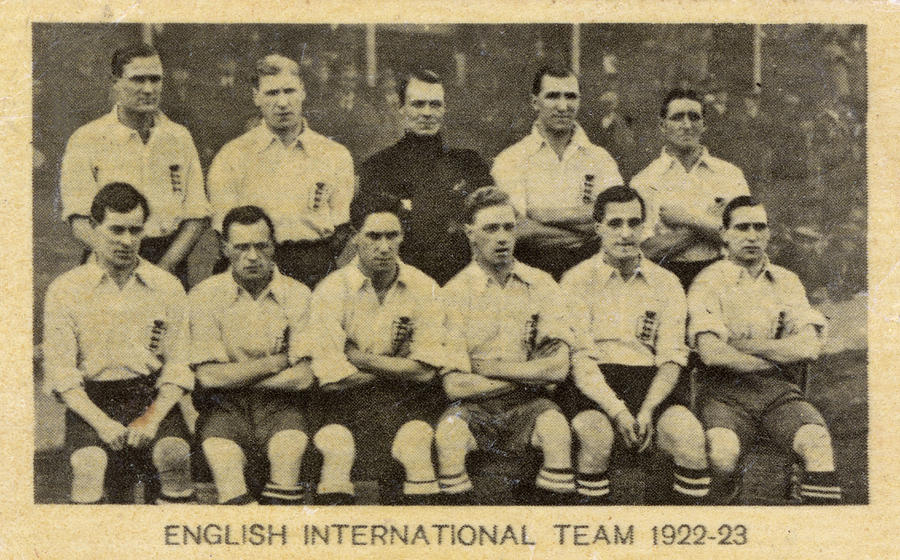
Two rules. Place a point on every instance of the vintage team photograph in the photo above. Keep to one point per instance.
(450, 264)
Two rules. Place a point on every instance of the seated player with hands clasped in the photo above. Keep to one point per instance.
(250, 353)
(381, 342)
(629, 316)
(752, 325)
(508, 341)
(115, 353)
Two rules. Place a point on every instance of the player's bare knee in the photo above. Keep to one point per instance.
(413, 442)
(593, 432)
(724, 450)
(680, 435)
(551, 431)
(335, 441)
(287, 446)
(221, 452)
(171, 453)
(813, 443)
(88, 462)
(452, 436)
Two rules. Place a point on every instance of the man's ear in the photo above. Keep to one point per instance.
(534, 102)
(255, 92)
(597, 228)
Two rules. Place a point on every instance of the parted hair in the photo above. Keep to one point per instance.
(734, 204)
(118, 197)
(421, 74)
(126, 54)
(679, 93)
(553, 72)
(619, 193)
(272, 65)
(377, 202)
(246, 215)
(484, 197)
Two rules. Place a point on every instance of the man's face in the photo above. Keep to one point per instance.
(683, 125)
(280, 100)
(492, 235)
(423, 110)
(250, 250)
(139, 88)
(747, 237)
(117, 238)
(557, 103)
(621, 229)
(378, 243)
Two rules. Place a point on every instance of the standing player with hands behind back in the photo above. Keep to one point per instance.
(115, 346)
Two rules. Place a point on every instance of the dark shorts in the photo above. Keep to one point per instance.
(686, 271)
(746, 404)
(630, 383)
(556, 262)
(250, 418)
(504, 424)
(373, 413)
(124, 401)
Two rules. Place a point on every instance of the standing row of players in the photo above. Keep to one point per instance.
(517, 375)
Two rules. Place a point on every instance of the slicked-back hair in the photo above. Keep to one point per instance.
(246, 215)
(124, 55)
(118, 197)
(484, 197)
(272, 65)
(619, 193)
(553, 72)
(421, 74)
(737, 202)
(377, 202)
(679, 93)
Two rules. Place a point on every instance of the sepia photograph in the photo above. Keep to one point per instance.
(568, 264)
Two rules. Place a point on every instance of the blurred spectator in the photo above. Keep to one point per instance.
(838, 179)
(611, 130)
(751, 134)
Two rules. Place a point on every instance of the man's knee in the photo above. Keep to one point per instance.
(171, 453)
(594, 432)
(221, 452)
(453, 435)
(89, 461)
(287, 446)
(413, 442)
(335, 440)
(724, 449)
(552, 429)
(813, 443)
(680, 434)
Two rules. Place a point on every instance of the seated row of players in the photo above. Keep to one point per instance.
(523, 364)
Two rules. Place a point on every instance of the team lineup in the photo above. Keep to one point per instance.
(412, 320)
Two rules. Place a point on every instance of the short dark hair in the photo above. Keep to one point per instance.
(246, 215)
(679, 93)
(553, 72)
(377, 202)
(272, 65)
(421, 74)
(484, 197)
(118, 197)
(734, 204)
(618, 193)
(124, 55)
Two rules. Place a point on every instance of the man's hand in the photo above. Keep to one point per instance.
(356, 379)
(628, 428)
(644, 429)
(664, 246)
(142, 431)
(555, 349)
(113, 434)
(355, 356)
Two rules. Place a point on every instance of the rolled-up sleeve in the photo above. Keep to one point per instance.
(205, 340)
(800, 312)
(196, 203)
(77, 185)
(300, 341)
(455, 329)
(60, 343)
(222, 183)
(507, 175)
(345, 184)
(670, 346)
(574, 289)
(556, 321)
(329, 362)
(176, 346)
(705, 310)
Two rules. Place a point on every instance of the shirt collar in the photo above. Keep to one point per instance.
(265, 137)
(98, 275)
(606, 272)
(122, 133)
(274, 290)
(358, 280)
(741, 273)
(481, 278)
(536, 141)
(704, 159)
